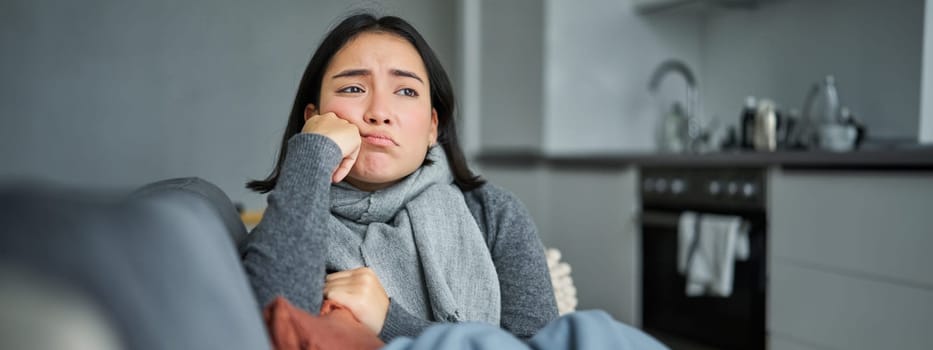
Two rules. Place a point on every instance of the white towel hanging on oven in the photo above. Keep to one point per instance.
(708, 246)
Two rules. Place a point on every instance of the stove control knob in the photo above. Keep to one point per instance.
(715, 187)
(732, 188)
(749, 190)
(648, 184)
(678, 186)
(660, 185)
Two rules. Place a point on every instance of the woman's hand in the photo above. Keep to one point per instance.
(361, 292)
(342, 132)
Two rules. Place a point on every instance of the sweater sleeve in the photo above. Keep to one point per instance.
(401, 323)
(284, 254)
(528, 301)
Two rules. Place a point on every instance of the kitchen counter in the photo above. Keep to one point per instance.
(916, 158)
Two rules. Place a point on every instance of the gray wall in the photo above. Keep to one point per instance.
(926, 92)
(599, 57)
(874, 48)
(511, 74)
(109, 93)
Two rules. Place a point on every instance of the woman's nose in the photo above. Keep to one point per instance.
(379, 112)
(376, 120)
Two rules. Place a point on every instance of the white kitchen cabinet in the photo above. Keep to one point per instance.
(592, 219)
(590, 216)
(829, 310)
(849, 256)
(528, 183)
(879, 225)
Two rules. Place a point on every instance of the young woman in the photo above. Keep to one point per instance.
(371, 203)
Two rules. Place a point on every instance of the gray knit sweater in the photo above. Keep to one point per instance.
(284, 255)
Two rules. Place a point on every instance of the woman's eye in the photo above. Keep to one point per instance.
(351, 90)
(407, 92)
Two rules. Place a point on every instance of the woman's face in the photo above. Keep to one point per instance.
(378, 82)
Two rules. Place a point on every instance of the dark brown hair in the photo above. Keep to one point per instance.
(442, 94)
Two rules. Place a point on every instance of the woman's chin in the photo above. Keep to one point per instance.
(377, 169)
(371, 179)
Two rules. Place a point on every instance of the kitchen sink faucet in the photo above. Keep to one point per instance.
(695, 137)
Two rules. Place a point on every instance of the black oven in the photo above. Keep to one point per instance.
(733, 322)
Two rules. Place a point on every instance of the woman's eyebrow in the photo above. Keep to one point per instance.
(352, 73)
(367, 72)
(405, 73)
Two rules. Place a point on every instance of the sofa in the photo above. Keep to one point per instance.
(152, 268)
(156, 268)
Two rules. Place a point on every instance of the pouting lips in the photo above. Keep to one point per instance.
(379, 140)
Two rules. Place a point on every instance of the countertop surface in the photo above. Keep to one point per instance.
(913, 158)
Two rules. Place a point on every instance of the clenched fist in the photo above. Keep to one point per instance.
(361, 292)
(342, 132)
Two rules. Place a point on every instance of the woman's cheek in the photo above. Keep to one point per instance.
(418, 122)
(347, 110)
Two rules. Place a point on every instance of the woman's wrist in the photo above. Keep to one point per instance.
(401, 323)
(309, 162)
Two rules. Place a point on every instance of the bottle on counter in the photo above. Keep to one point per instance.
(747, 124)
(789, 130)
(766, 126)
(821, 113)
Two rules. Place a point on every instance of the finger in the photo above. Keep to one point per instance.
(338, 274)
(315, 119)
(365, 275)
(346, 165)
(346, 294)
(348, 273)
(339, 295)
(353, 281)
(342, 170)
(330, 287)
(343, 284)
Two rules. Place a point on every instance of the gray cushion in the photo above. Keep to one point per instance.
(212, 194)
(161, 267)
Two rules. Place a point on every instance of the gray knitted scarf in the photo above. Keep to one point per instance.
(421, 240)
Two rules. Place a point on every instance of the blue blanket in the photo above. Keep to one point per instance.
(578, 330)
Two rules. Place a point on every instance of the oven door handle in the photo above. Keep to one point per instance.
(660, 219)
